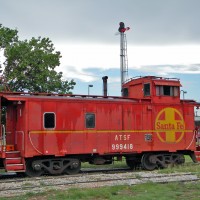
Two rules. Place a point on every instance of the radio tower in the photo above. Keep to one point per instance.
(123, 53)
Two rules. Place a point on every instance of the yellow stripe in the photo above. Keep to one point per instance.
(109, 131)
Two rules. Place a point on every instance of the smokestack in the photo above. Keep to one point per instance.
(105, 86)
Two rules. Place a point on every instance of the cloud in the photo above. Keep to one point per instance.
(92, 21)
(89, 62)
(71, 72)
(166, 70)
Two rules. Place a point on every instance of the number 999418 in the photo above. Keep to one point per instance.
(122, 146)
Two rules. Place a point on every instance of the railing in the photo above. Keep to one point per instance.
(151, 77)
(197, 131)
(3, 138)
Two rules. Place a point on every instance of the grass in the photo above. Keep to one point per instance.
(187, 167)
(148, 191)
(116, 164)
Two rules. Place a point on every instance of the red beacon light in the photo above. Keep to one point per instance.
(122, 28)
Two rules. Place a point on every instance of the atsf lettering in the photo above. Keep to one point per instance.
(122, 137)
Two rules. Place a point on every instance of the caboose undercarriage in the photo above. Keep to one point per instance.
(54, 166)
(72, 164)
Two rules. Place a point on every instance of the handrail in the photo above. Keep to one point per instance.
(151, 77)
(3, 138)
(3, 135)
(29, 135)
(1, 132)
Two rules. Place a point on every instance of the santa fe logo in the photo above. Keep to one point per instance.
(170, 125)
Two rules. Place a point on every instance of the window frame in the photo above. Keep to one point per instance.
(167, 91)
(94, 120)
(144, 90)
(125, 92)
(54, 120)
(161, 90)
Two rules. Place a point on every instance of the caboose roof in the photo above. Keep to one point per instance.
(57, 97)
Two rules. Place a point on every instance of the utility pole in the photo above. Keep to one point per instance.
(123, 53)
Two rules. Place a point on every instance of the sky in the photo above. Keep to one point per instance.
(163, 40)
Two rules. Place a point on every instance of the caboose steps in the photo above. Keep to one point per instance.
(14, 162)
(14, 167)
(12, 154)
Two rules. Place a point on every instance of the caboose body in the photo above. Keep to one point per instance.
(149, 125)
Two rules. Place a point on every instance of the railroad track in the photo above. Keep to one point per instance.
(90, 180)
(13, 177)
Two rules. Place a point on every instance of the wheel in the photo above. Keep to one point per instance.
(30, 171)
(146, 163)
(74, 168)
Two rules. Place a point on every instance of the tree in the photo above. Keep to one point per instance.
(7, 36)
(30, 64)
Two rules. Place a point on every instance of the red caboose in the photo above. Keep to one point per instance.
(149, 126)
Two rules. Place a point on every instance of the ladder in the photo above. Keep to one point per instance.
(123, 58)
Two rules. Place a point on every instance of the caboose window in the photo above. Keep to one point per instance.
(90, 120)
(147, 89)
(49, 120)
(125, 92)
(167, 91)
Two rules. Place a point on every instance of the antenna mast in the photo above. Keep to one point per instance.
(123, 53)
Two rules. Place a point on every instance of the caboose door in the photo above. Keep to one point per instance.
(12, 124)
(9, 119)
(20, 126)
(13, 120)
(8, 124)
